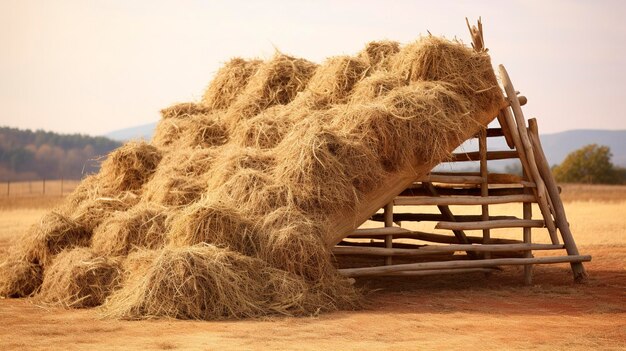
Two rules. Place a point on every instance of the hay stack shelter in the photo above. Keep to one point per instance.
(237, 205)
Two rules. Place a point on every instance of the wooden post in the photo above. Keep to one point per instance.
(388, 223)
(44, 186)
(528, 269)
(540, 190)
(61, 186)
(484, 186)
(553, 191)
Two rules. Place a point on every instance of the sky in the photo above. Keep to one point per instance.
(96, 66)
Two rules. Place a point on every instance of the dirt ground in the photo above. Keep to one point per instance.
(448, 312)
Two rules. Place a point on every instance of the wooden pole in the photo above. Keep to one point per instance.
(528, 215)
(553, 191)
(540, 190)
(494, 262)
(441, 271)
(461, 200)
(484, 186)
(430, 249)
(487, 224)
(388, 213)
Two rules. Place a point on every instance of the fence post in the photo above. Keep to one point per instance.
(44, 186)
(61, 186)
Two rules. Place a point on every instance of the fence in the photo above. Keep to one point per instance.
(38, 187)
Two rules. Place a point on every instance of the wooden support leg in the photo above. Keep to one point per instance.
(580, 275)
(484, 186)
(388, 213)
(528, 269)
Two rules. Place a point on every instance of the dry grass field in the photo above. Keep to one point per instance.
(448, 312)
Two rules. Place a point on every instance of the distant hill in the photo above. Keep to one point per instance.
(556, 146)
(30, 155)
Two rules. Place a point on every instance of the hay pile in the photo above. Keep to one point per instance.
(226, 212)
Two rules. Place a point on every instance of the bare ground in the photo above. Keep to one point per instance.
(449, 312)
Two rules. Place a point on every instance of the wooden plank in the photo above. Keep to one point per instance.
(454, 179)
(448, 215)
(432, 237)
(465, 191)
(554, 192)
(366, 271)
(533, 171)
(429, 249)
(475, 156)
(380, 231)
(434, 217)
(487, 224)
(461, 200)
(441, 271)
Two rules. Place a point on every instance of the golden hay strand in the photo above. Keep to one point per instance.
(229, 81)
(379, 53)
(276, 82)
(19, 277)
(183, 110)
(205, 282)
(91, 212)
(143, 226)
(78, 278)
(213, 221)
(377, 85)
(129, 166)
(265, 130)
(204, 131)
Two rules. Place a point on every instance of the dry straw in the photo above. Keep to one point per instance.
(78, 278)
(226, 212)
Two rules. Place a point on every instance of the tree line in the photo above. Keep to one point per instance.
(31, 155)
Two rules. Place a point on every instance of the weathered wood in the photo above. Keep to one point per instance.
(433, 217)
(506, 130)
(491, 155)
(492, 178)
(460, 200)
(494, 132)
(487, 224)
(553, 191)
(484, 187)
(528, 269)
(365, 271)
(540, 190)
(435, 238)
(379, 231)
(441, 271)
(429, 249)
(447, 213)
(388, 224)
(465, 191)
(454, 179)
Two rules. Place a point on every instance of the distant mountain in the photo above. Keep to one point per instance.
(144, 131)
(556, 146)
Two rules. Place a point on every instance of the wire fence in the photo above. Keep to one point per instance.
(41, 187)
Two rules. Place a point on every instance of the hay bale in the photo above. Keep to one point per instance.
(184, 110)
(169, 131)
(265, 130)
(332, 82)
(204, 131)
(91, 212)
(233, 159)
(204, 282)
(19, 277)
(213, 221)
(389, 125)
(377, 85)
(276, 82)
(141, 227)
(130, 166)
(468, 73)
(379, 53)
(53, 234)
(180, 178)
(228, 83)
(77, 278)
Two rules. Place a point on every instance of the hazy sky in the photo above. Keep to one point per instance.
(96, 66)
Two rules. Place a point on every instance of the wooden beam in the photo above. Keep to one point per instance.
(357, 272)
(540, 190)
(487, 224)
(475, 156)
(454, 179)
(441, 271)
(435, 238)
(429, 249)
(434, 217)
(553, 191)
(461, 200)
(465, 191)
(388, 213)
(379, 231)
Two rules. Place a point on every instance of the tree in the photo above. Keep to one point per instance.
(589, 164)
